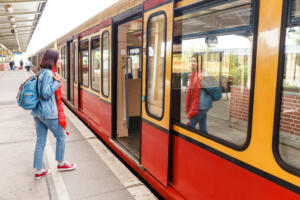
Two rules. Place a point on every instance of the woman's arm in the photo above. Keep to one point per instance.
(49, 85)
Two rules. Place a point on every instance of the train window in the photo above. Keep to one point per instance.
(95, 63)
(84, 62)
(105, 70)
(76, 62)
(61, 50)
(59, 70)
(289, 127)
(155, 71)
(65, 62)
(212, 69)
(62, 58)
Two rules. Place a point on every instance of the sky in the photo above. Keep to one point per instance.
(61, 16)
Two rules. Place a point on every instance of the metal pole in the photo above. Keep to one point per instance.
(20, 13)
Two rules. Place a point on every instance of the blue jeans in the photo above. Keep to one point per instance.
(201, 119)
(42, 126)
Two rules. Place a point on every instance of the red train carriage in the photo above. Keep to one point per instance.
(126, 73)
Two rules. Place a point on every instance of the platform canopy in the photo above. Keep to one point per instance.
(18, 20)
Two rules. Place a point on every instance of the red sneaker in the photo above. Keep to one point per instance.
(66, 166)
(44, 173)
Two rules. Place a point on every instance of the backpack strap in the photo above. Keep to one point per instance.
(37, 87)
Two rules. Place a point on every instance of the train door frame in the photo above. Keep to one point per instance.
(76, 62)
(78, 75)
(127, 16)
(70, 70)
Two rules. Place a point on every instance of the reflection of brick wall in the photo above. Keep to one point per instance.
(239, 103)
(290, 109)
(290, 113)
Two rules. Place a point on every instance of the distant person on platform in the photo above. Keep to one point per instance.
(12, 65)
(21, 64)
(28, 65)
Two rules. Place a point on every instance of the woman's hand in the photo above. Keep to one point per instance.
(200, 77)
(56, 77)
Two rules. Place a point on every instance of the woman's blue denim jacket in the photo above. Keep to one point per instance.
(47, 107)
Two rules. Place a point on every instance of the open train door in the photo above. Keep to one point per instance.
(156, 90)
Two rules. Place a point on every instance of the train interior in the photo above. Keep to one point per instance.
(129, 86)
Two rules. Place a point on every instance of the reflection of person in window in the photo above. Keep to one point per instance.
(200, 94)
(192, 96)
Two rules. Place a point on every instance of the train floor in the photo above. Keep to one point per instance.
(132, 142)
(99, 175)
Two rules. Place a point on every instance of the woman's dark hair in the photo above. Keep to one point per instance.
(49, 59)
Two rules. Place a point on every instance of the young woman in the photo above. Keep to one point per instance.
(46, 115)
(200, 96)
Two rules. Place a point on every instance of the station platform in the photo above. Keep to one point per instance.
(99, 174)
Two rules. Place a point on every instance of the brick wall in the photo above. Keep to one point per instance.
(290, 109)
(239, 104)
(290, 113)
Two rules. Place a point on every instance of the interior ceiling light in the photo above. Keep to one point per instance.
(211, 41)
(9, 9)
(12, 19)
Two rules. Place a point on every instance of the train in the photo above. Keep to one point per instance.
(126, 72)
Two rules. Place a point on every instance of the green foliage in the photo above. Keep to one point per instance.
(239, 71)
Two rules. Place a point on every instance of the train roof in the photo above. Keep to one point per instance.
(115, 9)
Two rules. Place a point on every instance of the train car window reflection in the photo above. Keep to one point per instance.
(211, 77)
(155, 65)
(84, 62)
(95, 63)
(289, 130)
(105, 64)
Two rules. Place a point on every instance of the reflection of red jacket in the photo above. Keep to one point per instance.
(192, 96)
